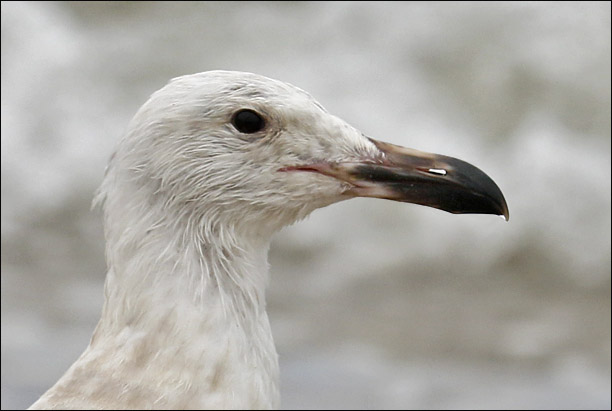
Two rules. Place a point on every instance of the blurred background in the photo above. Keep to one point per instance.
(373, 304)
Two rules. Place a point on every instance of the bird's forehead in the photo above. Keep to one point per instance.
(236, 89)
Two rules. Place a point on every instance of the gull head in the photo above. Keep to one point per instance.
(244, 150)
(209, 168)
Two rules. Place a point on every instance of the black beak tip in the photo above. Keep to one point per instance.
(480, 189)
(487, 196)
(505, 212)
(497, 205)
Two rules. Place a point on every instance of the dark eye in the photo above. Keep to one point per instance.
(248, 121)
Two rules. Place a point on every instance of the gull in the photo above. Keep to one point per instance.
(211, 166)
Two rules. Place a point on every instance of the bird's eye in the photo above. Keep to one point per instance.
(248, 121)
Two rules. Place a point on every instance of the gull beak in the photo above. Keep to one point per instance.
(432, 180)
(413, 176)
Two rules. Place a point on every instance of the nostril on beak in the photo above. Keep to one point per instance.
(437, 171)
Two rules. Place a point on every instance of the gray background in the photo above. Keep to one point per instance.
(374, 304)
